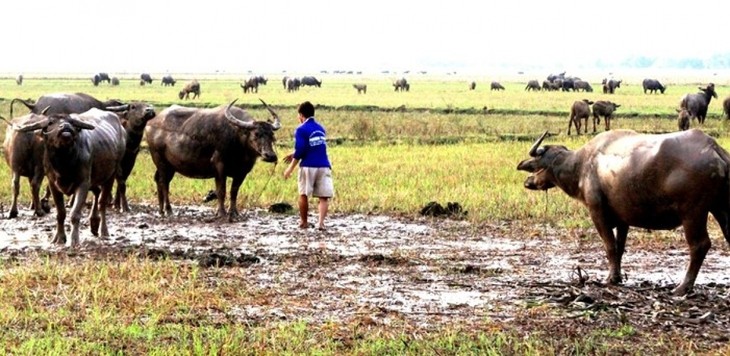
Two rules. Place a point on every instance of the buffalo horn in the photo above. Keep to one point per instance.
(232, 119)
(44, 111)
(277, 122)
(80, 124)
(34, 125)
(118, 108)
(533, 149)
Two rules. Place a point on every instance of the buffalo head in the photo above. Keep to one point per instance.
(59, 130)
(259, 135)
(541, 164)
(134, 116)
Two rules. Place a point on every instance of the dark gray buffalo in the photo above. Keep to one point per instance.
(145, 78)
(726, 107)
(134, 117)
(215, 143)
(653, 85)
(533, 85)
(496, 86)
(696, 104)
(22, 148)
(23, 153)
(604, 108)
(311, 81)
(361, 88)
(82, 153)
(646, 181)
(401, 85)
(168, 81)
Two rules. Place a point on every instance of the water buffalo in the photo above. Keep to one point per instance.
(293, 84)
(401, 85)
(168, 81)
(64, 103)
(610, 85)
(696, 104)
(652, 85)
(250, 85)
(361, 88)
(191, 87)
(146, 78)
(726, 107)
(580, 110)
(208, 143)
(19, 79)
(284, 82)
(115, 81)
(603, 108)
(683, 119)
(646, 181)
(23, 153)
(472, 85)
(496, 86)
(83, 153)
(532, 85)
(579, 85)
(100, 77)
(311, 81)
(25, 164)
(134, 117)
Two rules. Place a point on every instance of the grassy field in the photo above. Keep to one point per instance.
(391, 152)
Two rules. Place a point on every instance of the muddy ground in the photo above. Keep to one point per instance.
(422, 272)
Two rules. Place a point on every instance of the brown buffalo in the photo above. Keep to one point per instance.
(647, 181)
(580, 110)
(604, 108)
(208, 143)
(191, 87)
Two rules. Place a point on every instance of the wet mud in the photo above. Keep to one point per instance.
(419, 271)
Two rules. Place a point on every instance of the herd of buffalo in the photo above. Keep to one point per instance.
(81, 144)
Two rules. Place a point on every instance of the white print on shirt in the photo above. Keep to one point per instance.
(317, 140)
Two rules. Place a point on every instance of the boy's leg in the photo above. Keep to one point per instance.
(303, 211)
(323, 207)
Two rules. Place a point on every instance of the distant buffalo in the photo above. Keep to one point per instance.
(610, 85)
(401, 85)
(652, 85)
(191, 87)
(19, 79)
(100, 77)
(167, 80)
(146, 77)
(696, 104)
(605, 109)
(580, 110)
(726, 107)
(533, 85)
(311, 81)
(115, 81)
(361, 88)
(496, 86)
(579, 85)
(472, 85)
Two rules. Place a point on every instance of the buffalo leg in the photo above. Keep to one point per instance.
(35, 188)
(723, 219)
(220, 191)
(104, 196)
(611, 246)
(120, 197)
(94, 219)
(163, 190)
(235, 186)
(571, 122)
(60, 238)
(79, 201)
(16, 192)
(695, 232)
(608, 123)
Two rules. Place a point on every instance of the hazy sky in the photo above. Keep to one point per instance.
(304, 36)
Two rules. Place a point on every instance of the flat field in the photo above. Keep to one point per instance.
(383, 279)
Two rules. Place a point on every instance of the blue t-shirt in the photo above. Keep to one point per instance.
(310, 144)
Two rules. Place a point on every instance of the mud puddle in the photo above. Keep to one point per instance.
(424, 272)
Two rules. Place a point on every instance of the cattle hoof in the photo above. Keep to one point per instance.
(13, 215)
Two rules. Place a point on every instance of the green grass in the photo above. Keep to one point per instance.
(73, 306)
(385, 161)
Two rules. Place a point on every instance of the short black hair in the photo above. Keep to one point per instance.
(306, 109)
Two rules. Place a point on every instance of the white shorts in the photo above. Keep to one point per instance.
(316, 181)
